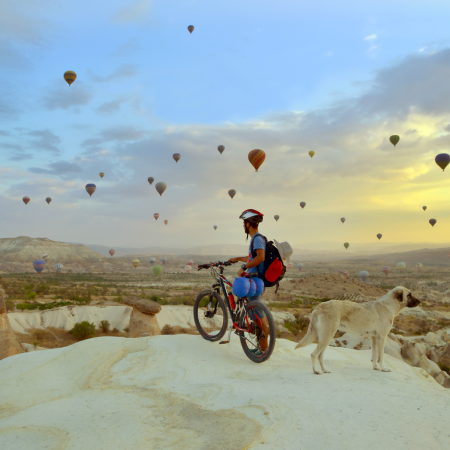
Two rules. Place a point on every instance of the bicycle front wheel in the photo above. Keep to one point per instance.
(210, 315)
(258, 341)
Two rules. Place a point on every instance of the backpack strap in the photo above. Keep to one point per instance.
(252, 250)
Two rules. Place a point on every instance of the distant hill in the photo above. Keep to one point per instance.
(24, 249)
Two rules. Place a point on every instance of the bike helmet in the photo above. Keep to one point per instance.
(252, 217)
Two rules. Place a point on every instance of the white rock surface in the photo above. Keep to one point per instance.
(32, 348)
(182, 392)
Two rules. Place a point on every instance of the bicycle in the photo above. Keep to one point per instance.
(211, 316)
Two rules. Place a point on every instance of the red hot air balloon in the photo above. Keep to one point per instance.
(166, 222)
(26, 200)
(156, 215)
(191, 28)
(176, 157)
(90, 188)
(256, 158)
(386, 270)
(112, 251)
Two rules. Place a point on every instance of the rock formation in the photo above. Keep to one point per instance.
(9, 345)
(143, 318)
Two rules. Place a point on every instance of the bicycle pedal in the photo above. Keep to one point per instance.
(224, 342)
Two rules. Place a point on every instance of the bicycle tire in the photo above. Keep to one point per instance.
(223, 329)
(272, 331)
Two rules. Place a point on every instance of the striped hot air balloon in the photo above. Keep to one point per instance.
(386, 270)
(166, 222)
(90, 188)
(231, 193)
(70, 76)
(176, 157)
(26, 200)
(187, 268)
(39, 265)
(256, 158)
(156, 215)
(344, 272)
(102, 174)
(401, 265)
(135, 263)
(58, 267)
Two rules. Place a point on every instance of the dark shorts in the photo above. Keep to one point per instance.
(258, 311)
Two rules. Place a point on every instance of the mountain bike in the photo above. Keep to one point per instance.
(211, 316)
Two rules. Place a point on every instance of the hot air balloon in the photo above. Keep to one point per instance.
(39, 265)
(191, 28)
(290, 266)
(26, 200)
(166, 222)
(276, 217)
(386, 270)
(160, 187)
(442, 160)
(311, 153)
(300, 267)
(432, 222)
(135, 263)
(302, 204)
(221, 148)
(394, 139)
(256, 158)
(48, 200)
(101, 174)
(112, 251)
(343, 272)
(342, 219)
(164, 260)
(215, 227)
(152, 261)
(401, 265)
(58, 267)
(190, 262)
(156, 215)
(419, 265)
(346, 245)
(424, 208)
(157, 270)
(90, 188)
(364, 275)
(187, 268)
(70, 77)
(379, 235)
(45, 256)
(231, 193)
(150, 180)
(176, 157)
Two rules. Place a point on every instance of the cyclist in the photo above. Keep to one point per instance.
(252, 219)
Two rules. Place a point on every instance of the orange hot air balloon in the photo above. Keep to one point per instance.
(101, 174)
(166, 222)
(112, 251)
(256, 158)
(26, 200)
(191, 28)
(70, 76)
(156, 215)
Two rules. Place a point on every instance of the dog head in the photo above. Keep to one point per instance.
(405, 298)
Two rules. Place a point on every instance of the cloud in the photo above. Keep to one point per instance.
(370, 37)
(66, 97)
(7, 110)
(127, 49)
(111, 107)
(136, 11)
(58, 168)
(45, 140)
(124, 71)
(120, 133)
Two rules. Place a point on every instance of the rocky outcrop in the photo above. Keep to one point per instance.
(143, 318)
(9, 345)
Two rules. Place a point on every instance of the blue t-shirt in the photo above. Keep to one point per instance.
(258, 243)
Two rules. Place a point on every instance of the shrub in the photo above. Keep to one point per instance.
(126, 329)
(31, 295)
(104, 325)
(167, 329)
(9, 305)
(83, 330)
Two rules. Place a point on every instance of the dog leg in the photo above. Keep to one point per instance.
(374, 353)
(324, 337)
(324, 369)
(381, 342)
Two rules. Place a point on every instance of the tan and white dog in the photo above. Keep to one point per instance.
(372, 319)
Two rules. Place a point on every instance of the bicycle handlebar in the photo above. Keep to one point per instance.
(215, 264)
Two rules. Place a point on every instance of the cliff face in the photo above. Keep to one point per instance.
(24, 249)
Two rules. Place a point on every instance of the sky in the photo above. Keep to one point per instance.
(286, 77)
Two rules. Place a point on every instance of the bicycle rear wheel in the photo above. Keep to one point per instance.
(258, 341)
(210, 315)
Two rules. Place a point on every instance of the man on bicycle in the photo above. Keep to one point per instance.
(252, 219)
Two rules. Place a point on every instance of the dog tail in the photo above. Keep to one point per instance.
(311, 334)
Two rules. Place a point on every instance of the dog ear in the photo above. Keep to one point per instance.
(399, 294)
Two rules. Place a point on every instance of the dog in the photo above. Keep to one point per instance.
(372, 319)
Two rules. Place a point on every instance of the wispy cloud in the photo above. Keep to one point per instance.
(136, 11)
(124, 71)
(58, 168)
(371, 37)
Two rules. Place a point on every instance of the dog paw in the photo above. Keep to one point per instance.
(326, 371)
(376, 368)
(318, 372)
(386, 370)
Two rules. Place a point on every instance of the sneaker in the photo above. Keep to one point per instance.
(256, 352)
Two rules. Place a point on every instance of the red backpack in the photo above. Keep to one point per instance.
(274, 268)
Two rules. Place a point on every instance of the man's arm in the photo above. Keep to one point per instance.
(238, 258)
